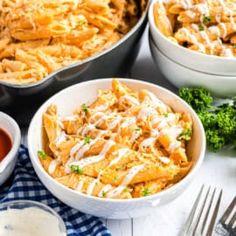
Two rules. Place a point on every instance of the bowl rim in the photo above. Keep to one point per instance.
(86, 60)
(195, 53)
(108, 200)
(15, 141)
(40, 205)
(226, 77)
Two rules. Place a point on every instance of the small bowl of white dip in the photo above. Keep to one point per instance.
(29, 218)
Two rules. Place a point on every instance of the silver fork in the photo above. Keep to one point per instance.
(227, 223)
(202, 218)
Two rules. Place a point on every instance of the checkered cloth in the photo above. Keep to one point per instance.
(26, 185)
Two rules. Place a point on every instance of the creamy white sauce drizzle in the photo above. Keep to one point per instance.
(115, 122)
(145, 112)
(163, 121)
(203, 9)
(87, 128)
(155, 133)
(60, 138)
(131, 174)
(191, 14)
(195, 27)
(104, 190)
(92, 186)
(214, 30)
(80, 186)
(127, 122)
(127, 179)
(52, 166)
(173, 131)
(193, 39)
(164, 160)
(224, 29)
(174, 145)
(206, 38)
(102, 107)
(75, 148)
(94, 117)
(135, 135)
(94, 159)
(227, 52)
(70, 118)
(68, 164)
(153, 101)
(147, 142)
(130, 99)
(115, 192)
(186, 4)
(121, 154)
(85, 148)
(60, 124)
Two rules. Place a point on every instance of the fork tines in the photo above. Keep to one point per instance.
(202, 218)
(228, 220)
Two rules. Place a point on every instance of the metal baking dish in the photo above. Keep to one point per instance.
(116, 61)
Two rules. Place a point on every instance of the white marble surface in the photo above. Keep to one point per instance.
(217, 170)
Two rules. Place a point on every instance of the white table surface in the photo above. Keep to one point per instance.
(217, 170)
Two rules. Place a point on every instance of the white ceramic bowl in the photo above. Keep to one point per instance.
(68, 100)
(182, 76)
(191, 59)
(8, 163)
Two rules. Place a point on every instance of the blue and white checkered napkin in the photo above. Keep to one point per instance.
(26, 185)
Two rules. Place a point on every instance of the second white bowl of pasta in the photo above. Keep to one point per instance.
(198, 36)
(116, 148)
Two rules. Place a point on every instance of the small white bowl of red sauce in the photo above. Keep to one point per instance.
(9, 144)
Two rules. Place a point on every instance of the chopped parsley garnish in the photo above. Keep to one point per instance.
(82, 22)
(126, 190)
(138, 130)
(42, 154)
(166, 115)
(146, 192)
(206, 19)
(104, 193)
(76, 169)
(200, 27)
(87, 140)
(115, 178)
(186, 134)
(85, 108)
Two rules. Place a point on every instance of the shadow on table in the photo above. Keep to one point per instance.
(145, 69)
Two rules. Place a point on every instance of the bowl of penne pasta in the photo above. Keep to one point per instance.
(200, 35)
(46, 46)
(182, 76)
(116, 148)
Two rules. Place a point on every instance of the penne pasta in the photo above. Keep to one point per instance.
(53, 34)
(206, 26)
(125, 144)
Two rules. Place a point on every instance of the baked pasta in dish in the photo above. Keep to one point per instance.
(125, 144)
(206, 26)
(38, 37)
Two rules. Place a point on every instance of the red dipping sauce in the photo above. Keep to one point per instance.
(5, 144)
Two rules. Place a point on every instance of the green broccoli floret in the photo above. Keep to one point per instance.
(215, 141)
(198, 98)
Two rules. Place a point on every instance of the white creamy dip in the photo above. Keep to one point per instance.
(28, 222)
